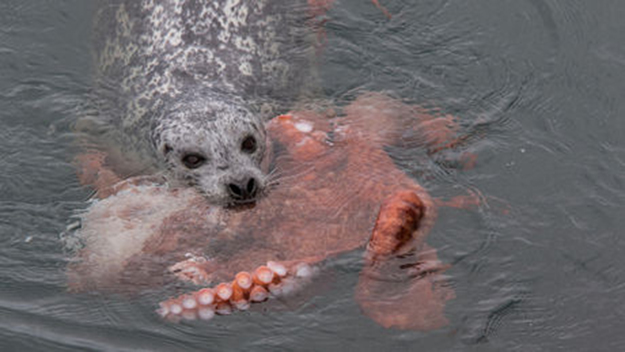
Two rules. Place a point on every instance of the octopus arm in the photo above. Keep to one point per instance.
(91, 171)
(389, 122)
(274, 279)
(303, 134)
(401, 285)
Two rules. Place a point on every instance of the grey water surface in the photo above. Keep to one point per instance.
(540, 266)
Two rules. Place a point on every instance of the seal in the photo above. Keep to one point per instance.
(185, 86)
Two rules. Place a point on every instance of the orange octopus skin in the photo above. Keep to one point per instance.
(334, 184)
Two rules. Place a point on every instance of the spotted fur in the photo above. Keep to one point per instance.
(197, 76)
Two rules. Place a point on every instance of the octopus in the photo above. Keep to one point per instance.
(334, 190)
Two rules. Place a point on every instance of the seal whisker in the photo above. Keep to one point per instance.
(281, 178)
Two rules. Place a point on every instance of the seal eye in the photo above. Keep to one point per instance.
(193, 161)
(248, 145)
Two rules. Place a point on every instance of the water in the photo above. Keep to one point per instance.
(541, 79)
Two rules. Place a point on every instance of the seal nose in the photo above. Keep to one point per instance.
(242, 190)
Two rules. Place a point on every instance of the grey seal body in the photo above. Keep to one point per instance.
(185, 84)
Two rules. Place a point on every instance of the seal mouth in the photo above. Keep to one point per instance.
(241, 205)
(229, 202)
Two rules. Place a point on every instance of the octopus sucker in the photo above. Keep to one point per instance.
(206, 313)
(241, 289)
(241, 305)
(188, 302)
(277, 268)
(175, 308)
(259, 294)
(264, 276)
(223, 308)
(163, 309)
(224, 291)
(205, 296)
(189, 314)
(243, 280)
(303, 270)
(289, 286)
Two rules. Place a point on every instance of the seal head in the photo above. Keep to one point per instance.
(216, 144)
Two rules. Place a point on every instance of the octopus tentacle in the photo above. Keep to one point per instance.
(273, 279)
(397, 221)
(398, 286)
(91, 170)
(195, 269)
(303, 134)
(388, 122)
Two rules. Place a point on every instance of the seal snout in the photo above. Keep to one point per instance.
(244, 189)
